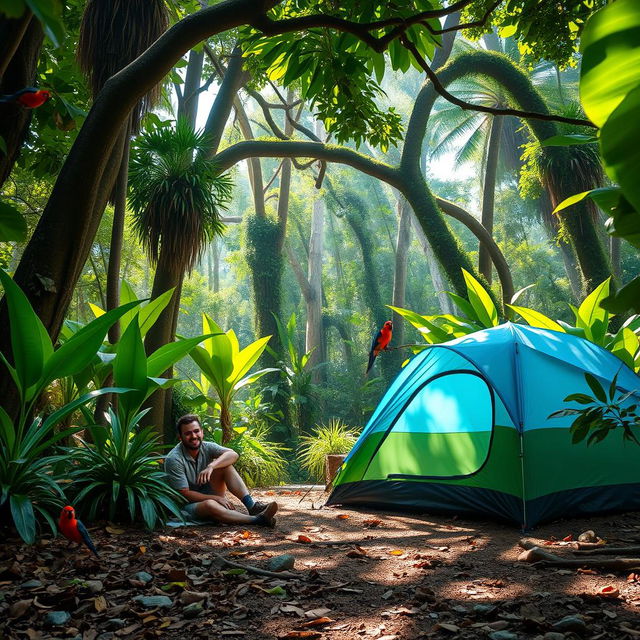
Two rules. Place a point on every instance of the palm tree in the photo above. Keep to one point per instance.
(176, 195)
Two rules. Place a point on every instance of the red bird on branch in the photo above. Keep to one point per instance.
(380, 342)
(30, 98)
(74, 530)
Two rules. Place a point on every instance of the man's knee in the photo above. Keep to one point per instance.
(209, 508)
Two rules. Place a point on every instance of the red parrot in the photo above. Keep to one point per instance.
(380, 342)
(74, 530)
(29, 98)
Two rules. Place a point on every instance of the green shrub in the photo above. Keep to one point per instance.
(261, 462)
(336, 437)
(121, 475)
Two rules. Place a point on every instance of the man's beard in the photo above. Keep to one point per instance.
(193, 445)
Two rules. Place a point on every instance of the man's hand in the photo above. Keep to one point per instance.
(224, 502)
(205, 474)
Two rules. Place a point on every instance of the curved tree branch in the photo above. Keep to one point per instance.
(468, 106)
(486, 239)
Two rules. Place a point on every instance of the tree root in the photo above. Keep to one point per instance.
(534, 554)
(281, 575)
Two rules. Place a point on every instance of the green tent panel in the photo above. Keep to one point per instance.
(465, 429)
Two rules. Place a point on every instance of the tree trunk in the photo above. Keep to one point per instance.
(226, 425)
(314, 340)
(188, 103)
(23, 37)
(488, 195)
(162, 332)
(403, 242)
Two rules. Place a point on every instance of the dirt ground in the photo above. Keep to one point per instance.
(372, 575)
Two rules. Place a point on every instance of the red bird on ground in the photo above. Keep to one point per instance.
(30, 98)
(380, 342)
(74, 530)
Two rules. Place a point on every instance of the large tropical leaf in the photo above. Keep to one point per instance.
(130, 367)
(167, 355)
(592, 316)
(246, 358)
(23, 517)
(27, 335)
(481, 301)
(536, 319)
(75, 354)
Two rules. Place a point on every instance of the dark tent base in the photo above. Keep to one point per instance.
(436, 498)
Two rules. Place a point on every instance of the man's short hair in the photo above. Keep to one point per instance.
(188, 419)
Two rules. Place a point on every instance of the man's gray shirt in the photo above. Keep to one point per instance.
(182, 470)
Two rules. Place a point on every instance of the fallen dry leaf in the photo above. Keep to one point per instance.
(115, 531)
(568, 538)
(609, 592)
(304, 539)
(302, 634)
(342, 516)
(100, 604)
(18, 609)
(317, 622)
(396, 552)
(372, 522)
(317, 613)
(453, 628)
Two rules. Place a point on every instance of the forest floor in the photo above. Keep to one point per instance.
(373, 575)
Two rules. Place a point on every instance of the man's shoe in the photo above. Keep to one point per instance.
(258, 507)
(266, 518)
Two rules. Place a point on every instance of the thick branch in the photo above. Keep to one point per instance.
(468, 106)
(361, 30)
(299, 149)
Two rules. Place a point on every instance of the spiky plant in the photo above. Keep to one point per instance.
(176, 195)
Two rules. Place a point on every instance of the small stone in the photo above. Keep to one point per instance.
(281, 563)
(94, 586)
(553, 635)
(113, 624)
(31, 584)
(108, 635)
(570, 623)
(151, 602)
(56, 618)
(498, 625)
(503, 635)
(189, 597)
(143, 577)
(193, 610)
(484, 609)
(588, 536)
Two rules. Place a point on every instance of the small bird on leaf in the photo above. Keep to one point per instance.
(380, 342)
(74, 530)
(29, 98)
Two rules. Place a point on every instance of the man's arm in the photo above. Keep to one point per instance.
(225, 459)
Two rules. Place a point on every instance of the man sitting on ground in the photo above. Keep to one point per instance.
(203, 472)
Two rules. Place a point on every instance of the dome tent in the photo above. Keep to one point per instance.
(465, 429)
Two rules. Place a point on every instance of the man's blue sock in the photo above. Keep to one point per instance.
(248, 501)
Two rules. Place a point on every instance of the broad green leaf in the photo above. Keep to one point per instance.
(23, 517)
(596, 387)
(130, 367)
(620, 141)
(127, 294)
(625, 346)
(593, 315)
(610, 66)
(97, 311)
(220, 351)
(49, 12)
(152, 310)
(464, 305)
(481, 301)
(519, 292)
(627, 298)
(246, 358)
(624, 221)
(7, 430)
(13, 226)
(167, 355)
(568, 140)
(581, 398)
(250, 379)
(26, 334)
(536, 319)
(75, 354)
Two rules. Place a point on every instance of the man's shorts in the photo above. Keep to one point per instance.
(189, 510)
